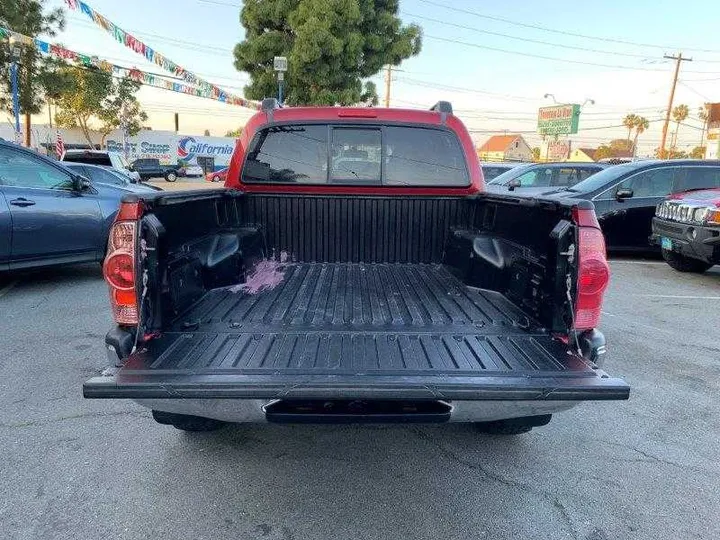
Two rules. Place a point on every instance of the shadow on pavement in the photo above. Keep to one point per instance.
(56, 275)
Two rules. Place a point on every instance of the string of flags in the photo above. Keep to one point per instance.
(205, 88)
(143, 77)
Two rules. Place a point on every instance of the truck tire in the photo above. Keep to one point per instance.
(513, 426)
(186, 422)
(685, 264)
(170, 176)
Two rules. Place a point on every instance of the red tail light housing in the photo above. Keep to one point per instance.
(593, 270)
(119, 266)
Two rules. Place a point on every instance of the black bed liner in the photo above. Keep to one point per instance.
(358, 330)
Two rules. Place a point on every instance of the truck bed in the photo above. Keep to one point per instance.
(338, 330)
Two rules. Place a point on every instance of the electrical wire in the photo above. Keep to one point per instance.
(543, 57)
(561, 32)
(527, 40)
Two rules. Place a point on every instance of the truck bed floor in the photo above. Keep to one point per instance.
(347, 317)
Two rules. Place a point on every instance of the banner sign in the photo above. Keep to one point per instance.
(558, 150)
(559, 119)
(148, 79)
(205, 88)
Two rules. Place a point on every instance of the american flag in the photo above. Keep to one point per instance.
(59, 144)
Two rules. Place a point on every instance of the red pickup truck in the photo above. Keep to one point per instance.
(686, 226)
(353, 270)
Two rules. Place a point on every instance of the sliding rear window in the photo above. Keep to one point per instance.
(351, 154)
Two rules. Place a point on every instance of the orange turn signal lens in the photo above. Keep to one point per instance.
(713, 217)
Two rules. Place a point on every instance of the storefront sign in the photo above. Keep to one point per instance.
(558, 119)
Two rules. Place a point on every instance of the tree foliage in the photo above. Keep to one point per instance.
(641, 125)
(27, 17)
(679, 114)
(615, 148)
(629, 123)
(698, 152)
(332, 46)
(536, 153)
(670, 153)
(95, 100)
(603, 151)
(234, 132)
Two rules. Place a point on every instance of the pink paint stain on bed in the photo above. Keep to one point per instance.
(265, 276)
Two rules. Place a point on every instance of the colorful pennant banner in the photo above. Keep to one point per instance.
(149, 79)
(208, 89)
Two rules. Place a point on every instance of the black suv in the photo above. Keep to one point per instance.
(151, 168)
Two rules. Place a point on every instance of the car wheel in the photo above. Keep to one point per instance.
(685, 264)
(186, 422)
(513, 426)
(171, 177)
(215, 178)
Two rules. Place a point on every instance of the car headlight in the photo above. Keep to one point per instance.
(712, 216)
(699, 216)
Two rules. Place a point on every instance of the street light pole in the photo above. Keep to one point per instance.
(280, 66)
(14, 53)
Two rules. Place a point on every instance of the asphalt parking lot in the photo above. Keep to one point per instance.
(646, 468)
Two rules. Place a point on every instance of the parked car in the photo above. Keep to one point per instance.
(192, 170)
(626, 196)
(495, 169)
(149, 168)
(101, 157)
(109, 176)
(217, 176)
(686, 226)
(378, 290)
(535, 178)
(49, 214)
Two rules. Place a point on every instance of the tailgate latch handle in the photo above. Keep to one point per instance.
(570, 253)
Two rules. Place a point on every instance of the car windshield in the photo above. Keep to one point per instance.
(603, 177)
(513, 173)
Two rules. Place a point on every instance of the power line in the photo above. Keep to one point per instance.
(528, 40)
(541, 56)
(427, 84)
(695, 91)
(219, 3)
(561, 32)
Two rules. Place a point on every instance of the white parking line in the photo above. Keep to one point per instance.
(615, 261)
(678, 296)
(7, 288)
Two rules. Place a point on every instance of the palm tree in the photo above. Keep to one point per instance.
(629, 123)
(641, 125)
(703, 115)
(680, 114)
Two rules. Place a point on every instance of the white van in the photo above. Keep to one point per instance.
(104, 158)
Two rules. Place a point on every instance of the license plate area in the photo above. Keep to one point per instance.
(339, 411)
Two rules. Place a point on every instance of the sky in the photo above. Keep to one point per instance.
(494, 61)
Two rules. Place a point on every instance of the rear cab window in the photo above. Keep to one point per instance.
(356, 154)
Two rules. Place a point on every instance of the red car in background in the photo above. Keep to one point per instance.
(687, 228)
(217, 176)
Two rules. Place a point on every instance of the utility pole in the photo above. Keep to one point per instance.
(678, 59)
(388, 80)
